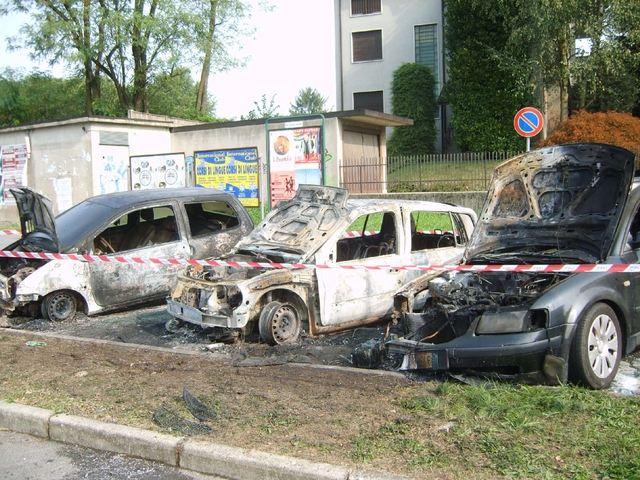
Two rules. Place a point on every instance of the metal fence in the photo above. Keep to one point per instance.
(424, 173)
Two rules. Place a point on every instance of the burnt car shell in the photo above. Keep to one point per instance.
(178, 223)
(316, 226)
(566, 204)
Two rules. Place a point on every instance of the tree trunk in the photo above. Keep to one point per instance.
(201, 101)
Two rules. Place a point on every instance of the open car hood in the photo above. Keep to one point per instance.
(301, 225)
(563, 201)
(36, 221)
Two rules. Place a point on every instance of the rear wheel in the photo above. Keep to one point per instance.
(59, 306)
(279, 323)
(596, 348)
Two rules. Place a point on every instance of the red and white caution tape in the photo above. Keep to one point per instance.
(567, 268)
(10, 232)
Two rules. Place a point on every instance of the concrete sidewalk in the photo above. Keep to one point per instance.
(184, 452)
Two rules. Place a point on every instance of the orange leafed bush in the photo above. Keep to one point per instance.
(621, 129)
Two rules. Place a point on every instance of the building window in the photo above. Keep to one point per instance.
(427, 52)
(367, 46)
(427, 47)
(365, 7)
(369, 100)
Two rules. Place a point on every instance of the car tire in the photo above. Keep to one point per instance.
(596, 348)
(279, 323)
(59, 306)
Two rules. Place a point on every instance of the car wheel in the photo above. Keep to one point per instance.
(596, 348)
(279, 323)
(59, 306)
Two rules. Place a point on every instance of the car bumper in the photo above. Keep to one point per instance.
(513, 353)
(198, 317)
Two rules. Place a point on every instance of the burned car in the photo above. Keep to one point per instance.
(516, 317)
(181, 223)
(321, 226)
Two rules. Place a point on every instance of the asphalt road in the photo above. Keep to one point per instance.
(23, 457)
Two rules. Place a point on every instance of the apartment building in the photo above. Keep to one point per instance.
(375, 37)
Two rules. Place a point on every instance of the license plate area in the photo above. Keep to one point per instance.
(438, 360)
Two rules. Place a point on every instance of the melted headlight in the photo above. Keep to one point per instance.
(234, 296)
(504, 321)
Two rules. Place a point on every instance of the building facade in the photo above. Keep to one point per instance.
(374, 38)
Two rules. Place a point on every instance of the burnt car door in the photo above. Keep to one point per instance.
(214, 227)
(352, 293)
(150, 232)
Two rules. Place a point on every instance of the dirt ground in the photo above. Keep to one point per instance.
(289, 400)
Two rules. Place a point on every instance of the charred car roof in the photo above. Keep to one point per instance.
(563, 201)
(37, 219)
(303, 224)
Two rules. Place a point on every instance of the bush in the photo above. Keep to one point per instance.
(614, 128)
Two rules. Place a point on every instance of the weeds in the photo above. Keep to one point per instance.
(527, 431)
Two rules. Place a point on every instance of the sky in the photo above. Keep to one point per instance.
(293, 48)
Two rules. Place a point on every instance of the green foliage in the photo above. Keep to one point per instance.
(132, 44)
(413, 96)
(174, 94)
(38, 97)
(507, 54)
(263, 110)
(308, 100)
(489, 75)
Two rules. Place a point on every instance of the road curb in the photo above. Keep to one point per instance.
(203, 457)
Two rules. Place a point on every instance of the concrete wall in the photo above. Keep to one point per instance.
(253, 134)
(473, 200)
(72, 160)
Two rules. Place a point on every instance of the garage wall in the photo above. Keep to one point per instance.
(72, 160)
(250, 134)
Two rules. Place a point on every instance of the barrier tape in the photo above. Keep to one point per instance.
(549, 268)
(10, 232)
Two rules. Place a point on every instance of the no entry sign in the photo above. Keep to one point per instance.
(528, 122)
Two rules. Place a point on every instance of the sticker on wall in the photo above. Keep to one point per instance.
(158, 171)
(13, 170)
(294, 159)
(234, 171)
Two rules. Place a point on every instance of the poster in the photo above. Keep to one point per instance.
(234, 171)
(294, 159)
(13, 171)
(158, 171)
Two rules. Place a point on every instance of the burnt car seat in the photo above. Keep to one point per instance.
(167, 233)
(140, 235)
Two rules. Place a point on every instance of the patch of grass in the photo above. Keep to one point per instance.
(255, 214)
(559, 432)
(440, 176)
(276, 421)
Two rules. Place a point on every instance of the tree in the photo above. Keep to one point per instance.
(615, 128)
(172, 94)
(263, 110)
(38, 97)
(413, 96)
(489, 78)
(131, 42)
(308, 100)
(507, 54)
(218, 26)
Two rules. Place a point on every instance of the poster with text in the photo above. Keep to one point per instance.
(158, 171)
(294, 159)
(234, 171)
(13, 172)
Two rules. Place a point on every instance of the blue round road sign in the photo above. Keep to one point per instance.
(528, 122)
